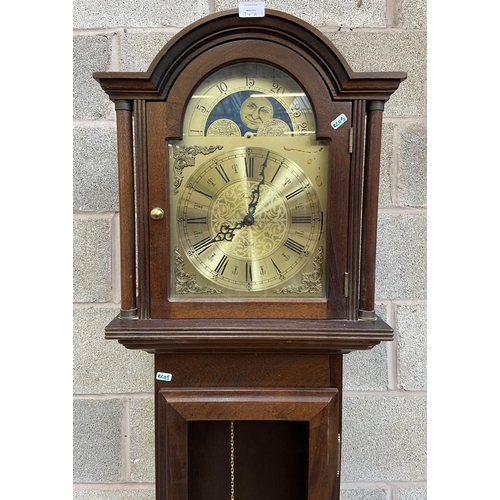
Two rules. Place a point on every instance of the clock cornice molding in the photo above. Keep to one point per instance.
(160, 336)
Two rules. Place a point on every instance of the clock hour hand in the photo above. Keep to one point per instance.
(249, 219)
(226, 232)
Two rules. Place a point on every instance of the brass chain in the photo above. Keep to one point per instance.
(232, 460)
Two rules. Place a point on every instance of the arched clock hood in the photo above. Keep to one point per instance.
(150, 109)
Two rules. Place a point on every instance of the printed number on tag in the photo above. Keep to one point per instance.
(339, 121)
(252, 9)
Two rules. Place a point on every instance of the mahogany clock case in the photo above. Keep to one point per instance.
(250, 403)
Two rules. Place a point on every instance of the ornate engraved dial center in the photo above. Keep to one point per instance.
(261, 233)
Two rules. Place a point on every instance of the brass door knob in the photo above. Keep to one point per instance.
(157, 213)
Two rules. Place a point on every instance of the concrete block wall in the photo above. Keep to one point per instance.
(384, 435)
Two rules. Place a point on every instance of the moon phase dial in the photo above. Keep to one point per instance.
(249, 219)
(249, 99)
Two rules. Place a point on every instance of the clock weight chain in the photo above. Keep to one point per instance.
(232, 457)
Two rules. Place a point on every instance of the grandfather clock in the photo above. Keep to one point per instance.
(248, 159)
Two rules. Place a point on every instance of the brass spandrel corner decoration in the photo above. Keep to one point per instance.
(311, 282)
(184, 156)
(185, 282)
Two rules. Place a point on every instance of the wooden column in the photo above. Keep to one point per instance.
(127, 210)
(370, 210)
(355, 205)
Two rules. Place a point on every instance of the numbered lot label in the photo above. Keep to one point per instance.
(339, 121)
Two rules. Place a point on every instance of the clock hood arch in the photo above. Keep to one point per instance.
(225, 36)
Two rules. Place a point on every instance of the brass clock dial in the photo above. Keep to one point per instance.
(249, 218)
(248, 189)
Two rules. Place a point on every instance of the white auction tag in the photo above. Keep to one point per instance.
(339, 121)
(252, 9)
(167, 377)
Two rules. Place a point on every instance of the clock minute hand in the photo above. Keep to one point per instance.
(226, 232)
(249, 219)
